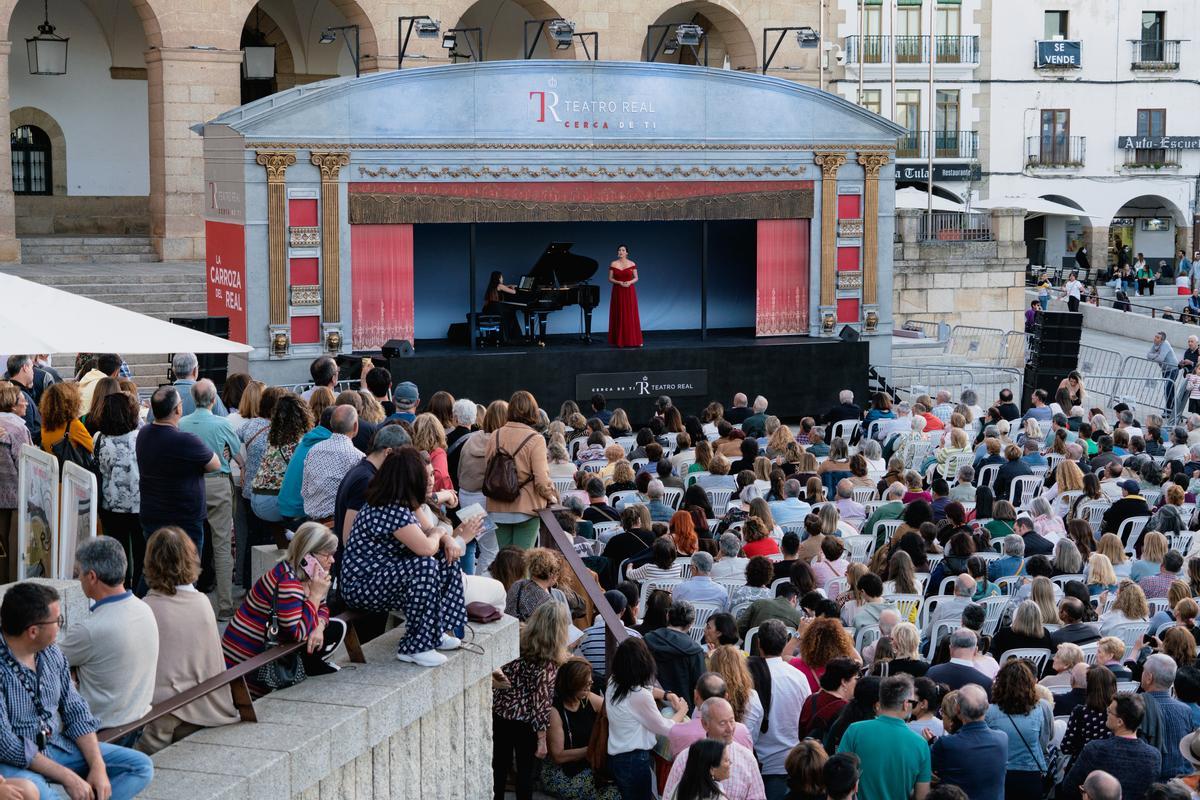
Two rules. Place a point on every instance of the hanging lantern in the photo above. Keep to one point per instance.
(258, 57)
(47, 50)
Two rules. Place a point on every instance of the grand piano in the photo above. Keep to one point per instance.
(559, 279)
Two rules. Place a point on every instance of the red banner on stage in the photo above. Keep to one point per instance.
(782, 302)
(382, 287)
(225, 270)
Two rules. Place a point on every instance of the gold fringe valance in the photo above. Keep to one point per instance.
(390, 209)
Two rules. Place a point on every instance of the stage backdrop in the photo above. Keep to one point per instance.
(667, 254)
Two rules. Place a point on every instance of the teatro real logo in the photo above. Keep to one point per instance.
(643, 386)
(601, 113)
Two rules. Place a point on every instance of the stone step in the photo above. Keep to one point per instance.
(85, 249)
(85, 240)
(82, 258)
(87, 278)
(124, 299)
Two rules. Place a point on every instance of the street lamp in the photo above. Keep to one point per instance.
(806, 37)
(427, 28)
(686, 34)
(562, 34)
(329, 36)
(47, 51)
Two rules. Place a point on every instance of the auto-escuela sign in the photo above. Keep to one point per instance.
(1158, 142)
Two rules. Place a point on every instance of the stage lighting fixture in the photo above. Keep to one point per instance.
(670, 47)
(689, 34)
(449, 40)
(807, 38)
(562, 32)
(328, 37)
(428, 28)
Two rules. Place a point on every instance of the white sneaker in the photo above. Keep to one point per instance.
(449, 642)
(430, 658)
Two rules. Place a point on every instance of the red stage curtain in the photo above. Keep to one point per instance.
(782, 296)
(382, 289)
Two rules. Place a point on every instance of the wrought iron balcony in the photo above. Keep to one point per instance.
(1155, 54)
(1055, 151)
(946, 144)
(911, 49)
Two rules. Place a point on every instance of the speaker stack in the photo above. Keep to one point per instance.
(1053, 352)
(214, 366)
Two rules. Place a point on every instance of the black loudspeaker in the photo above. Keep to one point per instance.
(214, 366)
(848, 334)
(397, 348)
(1053, 352)
(457, 333)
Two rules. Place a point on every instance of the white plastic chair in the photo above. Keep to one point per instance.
(1130, 531)
(908, 606)
(605, 530)
(987, 475)
(866, 635)
(637, 463)
(703, 612)
(1128, 687)
(1129, 633)
(563, 484)
(1089, 653)
(836, 586)
(1053, 460)
(1093, 512)
(1152, 496)
(672, 497)
(993, 608)
(860, 547)
(890, 526)
(844, 429)
(1037, 655)
(1009, 584)
(718, 499)
(863, 494)
(618, 498)
(1063, 580)
(1023, 489)
(685, 566)
(628, 443)
(943, 628)
(594, 466)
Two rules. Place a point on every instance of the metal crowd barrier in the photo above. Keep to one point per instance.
(340, 386)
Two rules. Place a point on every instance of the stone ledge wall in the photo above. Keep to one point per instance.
(72, 215)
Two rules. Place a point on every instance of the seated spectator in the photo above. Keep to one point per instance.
(961, 669)
(1026, 630)
(700, 588)
(1166, 719)
(759, 576)
(57, 745)
(598, 509)
(1088, 719)
(1131, 761)
(790, 509)
(113, 649)
(1074, 629)
(189, 651)
(1168, 573)
(575, 710)
(662, 564)
(974, 758)
(1129, 606)
(1153, 546)
(730, 564)
(951, 608)
(294, 591)
(873, 603)
(831, 563)
(782, 607)
(592, 644)
(1130, 504)
(524, 596)
(679, 659)
(659, 511)
(710, 685)
(758, 539)
(683, 532)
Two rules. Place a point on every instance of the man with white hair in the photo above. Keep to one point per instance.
(659, 511)
(219, 435)
(730, 564)
(1011, 560)
(943, 407)
(744, 781)
(889, 618)
(186, 369)
(1167, 720)
(1193, 426)
(852, 512)
(700, 588)
(960, 669)
(463, 413)
(902, 423)
(755, 425)
(845, 409)
(791, 509)
(737, 412)
(951, 608)
(963, 491)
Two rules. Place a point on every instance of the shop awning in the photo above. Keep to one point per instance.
(915, 198)
(1034, 206)
(42, 319)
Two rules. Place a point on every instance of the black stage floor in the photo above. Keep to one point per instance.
(797, 374)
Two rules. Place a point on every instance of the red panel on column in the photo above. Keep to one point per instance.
(304, 272)
(225, 259)
(849, 206)
(847, 309)
(306, 330)
(302, 213)
(382, 284)
(847, 259)
(783, 266)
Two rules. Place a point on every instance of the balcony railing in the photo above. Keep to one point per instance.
(911, 49)
(1152, 54)
(946, 144)
(1055, 151)
(1153, 159)
(956, 226)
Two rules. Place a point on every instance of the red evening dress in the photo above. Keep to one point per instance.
(624, 324)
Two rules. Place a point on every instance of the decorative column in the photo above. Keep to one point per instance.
(871, 164)
(829, 162)
(330, 163)
(277, 162)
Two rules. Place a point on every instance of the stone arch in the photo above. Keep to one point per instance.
(724, 28)
(261, 21)
(503, 27)
(351, 11)
(28, 115)
(145, 12)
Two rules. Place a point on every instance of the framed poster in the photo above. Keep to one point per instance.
(77, 517)
(37, 505)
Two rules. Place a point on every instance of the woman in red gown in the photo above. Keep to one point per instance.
(624, 324)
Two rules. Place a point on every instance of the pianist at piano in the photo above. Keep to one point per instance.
(493, 303)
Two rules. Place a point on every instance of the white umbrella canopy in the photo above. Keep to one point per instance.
(915, 198)
(42, 319)
(1032, 205)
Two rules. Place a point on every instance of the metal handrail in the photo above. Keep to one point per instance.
(911, 49)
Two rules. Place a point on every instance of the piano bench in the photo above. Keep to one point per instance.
(487, 329)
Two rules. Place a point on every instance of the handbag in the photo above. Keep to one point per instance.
(482, 612)
(285, 671)
(597, 748)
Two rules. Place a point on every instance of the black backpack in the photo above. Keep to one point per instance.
(500, 479)
(68, 451)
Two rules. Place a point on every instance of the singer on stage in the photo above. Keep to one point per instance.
(624, 324)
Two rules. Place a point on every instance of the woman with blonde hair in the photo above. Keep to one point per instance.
(832, 522)
(1101, 579)
(906, 641)
(959, 445)
(1153, 546)
(849, 600)
(429, 436)
(778, 443)
(618, 424)
(621, 479)
(1041, 592)
(321, 398)
(1110, 546)
(1066, 557)
(1129, 606)
(762, 469)
(704, 455)
(372, 409)
(730, 663)
(814, 491)
(522, 697)
(1065, 658)
(1026, 630)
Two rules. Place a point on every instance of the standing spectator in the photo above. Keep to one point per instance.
(324, 373)
(13, 436)
(430, 437)
(296, 591)
(189, 651)
(42, 704)
(1088, 719)
(516, 520)
(895, 761)
(291, 497)
(592, 646)
(709, 685)
(463, 413)
(838, 681)
(398, 557)
(471, 465)
(576, 709)
(20, 372)
(783, 690)
(1166, 720)
(379, 383)
(1028, 723)
(115, 648)
(290, 421)
(120, 493)
(634, 719)
(171, 469)
(327, 463)
(1133, 762)
(742, 781)
(679, 660)
(406, 397)
(187, 370)
(523, 699)
(60, 408)
(220, 438)
(974, 758)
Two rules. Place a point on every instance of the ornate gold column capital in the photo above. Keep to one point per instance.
(830, 161)
(872, 163)
(330, 163)
(276, 162)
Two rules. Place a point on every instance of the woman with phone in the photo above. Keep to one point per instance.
(400, 557)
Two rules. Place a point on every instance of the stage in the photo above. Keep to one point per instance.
(798, 375)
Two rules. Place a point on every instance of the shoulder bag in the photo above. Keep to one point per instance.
(285, 671)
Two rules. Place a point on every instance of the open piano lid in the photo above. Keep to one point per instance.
(558, 266)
